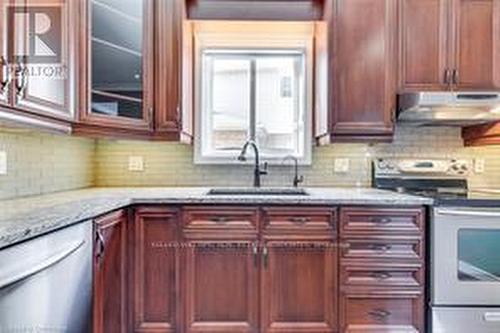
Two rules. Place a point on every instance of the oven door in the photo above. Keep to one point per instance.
(465, 256)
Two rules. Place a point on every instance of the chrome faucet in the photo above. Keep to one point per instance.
(297, 179)
(257, 170)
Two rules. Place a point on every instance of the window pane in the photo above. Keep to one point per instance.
(279, 105)
(226, 101)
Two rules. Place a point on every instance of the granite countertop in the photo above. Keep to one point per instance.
(25, 218)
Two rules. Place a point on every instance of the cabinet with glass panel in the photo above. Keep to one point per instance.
(117, 42)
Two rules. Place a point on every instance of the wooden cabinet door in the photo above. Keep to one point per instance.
(110, 273)
(299, 287)
(364, 54)
(221, 287)
(170, 62)
(477, 44)
(423, 29)
(42, 48)
(155, 280)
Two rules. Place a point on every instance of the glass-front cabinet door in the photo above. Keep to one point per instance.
(37, 57)
(4, 65)
(40, 56)
(119, 81)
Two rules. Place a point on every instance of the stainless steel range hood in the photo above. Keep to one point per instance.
(447, 108)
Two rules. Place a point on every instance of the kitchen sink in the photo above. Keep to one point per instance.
(258, 191)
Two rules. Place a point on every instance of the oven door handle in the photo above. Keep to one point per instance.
(492, 316)
(476, 213)
(50, 261)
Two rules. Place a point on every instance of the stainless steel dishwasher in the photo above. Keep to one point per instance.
(46, 283)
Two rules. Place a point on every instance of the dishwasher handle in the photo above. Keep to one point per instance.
(43, 265)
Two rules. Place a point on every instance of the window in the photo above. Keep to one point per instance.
(253, 93)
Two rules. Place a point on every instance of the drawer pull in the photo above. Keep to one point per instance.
(379, 314)
(299, 219)
(219, 219)
(381, 247)
(381, 220)
(381, 276)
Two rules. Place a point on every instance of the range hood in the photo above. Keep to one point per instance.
(445, 108)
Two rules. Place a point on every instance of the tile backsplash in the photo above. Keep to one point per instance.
(43, 163)
(169, 164)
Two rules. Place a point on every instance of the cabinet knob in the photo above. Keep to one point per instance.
(20, 78)
(379, 314)
(219, 219)
(381, 220)
(381, 275)
(381, 247)
(101, 245)
(5, 80)
(299, 219)
(456, 77)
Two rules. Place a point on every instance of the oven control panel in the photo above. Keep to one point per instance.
(459, 168)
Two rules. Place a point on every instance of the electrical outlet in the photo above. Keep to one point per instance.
(479, 165)
(3, 163)
(342, 165)
(135, 163)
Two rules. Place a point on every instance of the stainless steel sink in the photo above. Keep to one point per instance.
(258, 191)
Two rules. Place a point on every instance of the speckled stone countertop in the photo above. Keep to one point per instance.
(25, 218)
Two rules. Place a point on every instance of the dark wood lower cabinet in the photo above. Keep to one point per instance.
(382, 312)
(260, 270)
(155, 278)
(221, 287)
(298, 292)
(110, 273)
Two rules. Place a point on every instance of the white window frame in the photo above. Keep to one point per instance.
(252, 36)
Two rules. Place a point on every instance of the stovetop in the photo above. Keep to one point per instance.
(445, 181)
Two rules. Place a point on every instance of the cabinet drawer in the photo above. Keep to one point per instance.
(382, 313)
(290, 220)
(382, 275)
(381, 220)
(215, 219)
(382, 248)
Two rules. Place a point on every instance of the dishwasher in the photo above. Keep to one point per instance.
(46, 283)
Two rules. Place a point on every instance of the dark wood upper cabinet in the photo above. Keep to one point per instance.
(363, 47)
(477, 44)
(116, 45)
(134, 52)
(290, 10)
(423, 28)
(37, 82)
(155, 279)
(172, 69)
(449, 44)
(110, 273)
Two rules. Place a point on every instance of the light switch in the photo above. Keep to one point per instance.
(135, 163)
(3, 163)
(342, 165)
